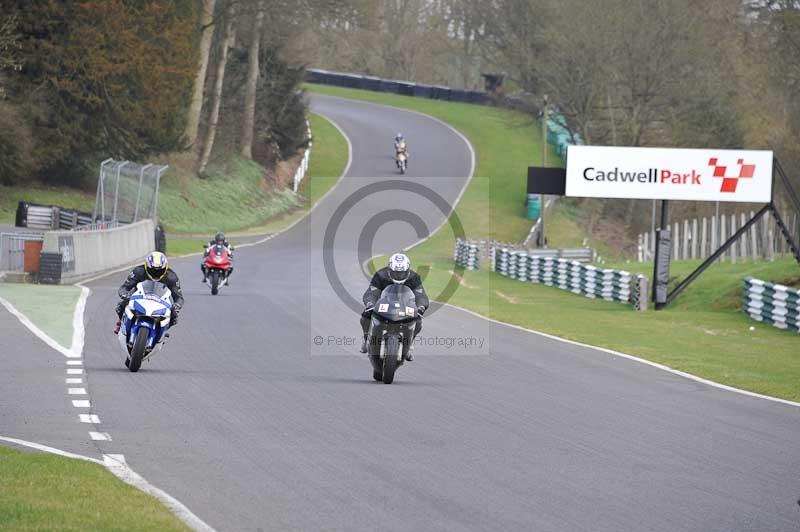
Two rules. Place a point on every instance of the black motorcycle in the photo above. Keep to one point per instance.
(391, 331)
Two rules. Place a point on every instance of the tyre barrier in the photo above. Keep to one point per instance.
(578, 278)
(467, 255)
(35, 216)
(771, 303)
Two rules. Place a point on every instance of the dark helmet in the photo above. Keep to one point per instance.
(219, 238)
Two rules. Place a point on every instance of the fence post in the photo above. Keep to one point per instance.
(703, 238)
(753, 240)
(640, 248)
(743, 239)
(733, 232)
(676, 248)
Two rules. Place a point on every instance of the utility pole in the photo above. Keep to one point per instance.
(542, 240)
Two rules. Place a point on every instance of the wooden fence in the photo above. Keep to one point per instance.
(699, 238)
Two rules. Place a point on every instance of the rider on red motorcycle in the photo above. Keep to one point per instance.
(219, 239)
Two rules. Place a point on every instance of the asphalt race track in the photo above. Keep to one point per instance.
(253, 426)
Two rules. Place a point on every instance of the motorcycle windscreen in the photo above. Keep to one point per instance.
(154, 288)
(397, 302)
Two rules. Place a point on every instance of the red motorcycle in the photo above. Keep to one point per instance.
(218, 263)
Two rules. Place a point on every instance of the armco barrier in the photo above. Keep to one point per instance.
(579, 278)
(87, 253)
(772, 303)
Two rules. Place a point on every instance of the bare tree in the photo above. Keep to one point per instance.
(198, 89)
(248, 120)
(219, 79)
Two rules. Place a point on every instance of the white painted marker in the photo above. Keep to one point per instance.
(74, 371)
(76, 391)
(81, 403)
(73, 362)
(99, 436)
(88, 418)
(77, 380)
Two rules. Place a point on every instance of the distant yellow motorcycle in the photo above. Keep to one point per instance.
(402, 157)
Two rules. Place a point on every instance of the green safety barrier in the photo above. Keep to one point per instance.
(772, 303)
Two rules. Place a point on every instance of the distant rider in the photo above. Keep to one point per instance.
(400, 146)
(398, 272)
(155, 268)
(219, 239)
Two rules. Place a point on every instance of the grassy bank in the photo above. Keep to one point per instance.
(232, 196)
(328, 160)
(703, 333)
(46, 492)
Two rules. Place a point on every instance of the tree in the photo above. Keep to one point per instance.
(198, 90)
(248, 120)
(219, 79)
(105, 78)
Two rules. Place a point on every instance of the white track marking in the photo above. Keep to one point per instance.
(74, 380)
(74, 371)
(43, 336)
(52, 450)
(99, 436)
(75, 362)
(76, 391)
(635, 359)
(78, 332)
(116, 464)
(88, 418)
(81, 403)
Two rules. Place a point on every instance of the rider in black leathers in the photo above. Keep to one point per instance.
(386, 277)
(144, 273)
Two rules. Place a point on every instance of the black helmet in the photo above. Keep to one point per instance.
(219, 238)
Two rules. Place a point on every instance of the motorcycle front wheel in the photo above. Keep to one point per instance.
(137, 351)
(214, 282)
(390, 358)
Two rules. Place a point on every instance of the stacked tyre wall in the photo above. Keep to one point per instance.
(771, 303)
(578, 278)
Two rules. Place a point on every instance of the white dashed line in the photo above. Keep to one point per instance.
(74, 371)
(76, 391)
(88, 418)
(74, 380)
(74, 362)
(81, 403)
(99, 436)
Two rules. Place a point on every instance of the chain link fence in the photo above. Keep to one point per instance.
(127, 192)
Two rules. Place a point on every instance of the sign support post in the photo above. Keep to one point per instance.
(543, 199)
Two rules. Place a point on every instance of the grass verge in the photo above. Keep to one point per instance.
(49, 307)
(328, 160)
(703, 332)
(45, 492)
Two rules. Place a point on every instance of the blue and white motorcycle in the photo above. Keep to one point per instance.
(145, 322)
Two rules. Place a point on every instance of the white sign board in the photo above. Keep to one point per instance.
(669, 173)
